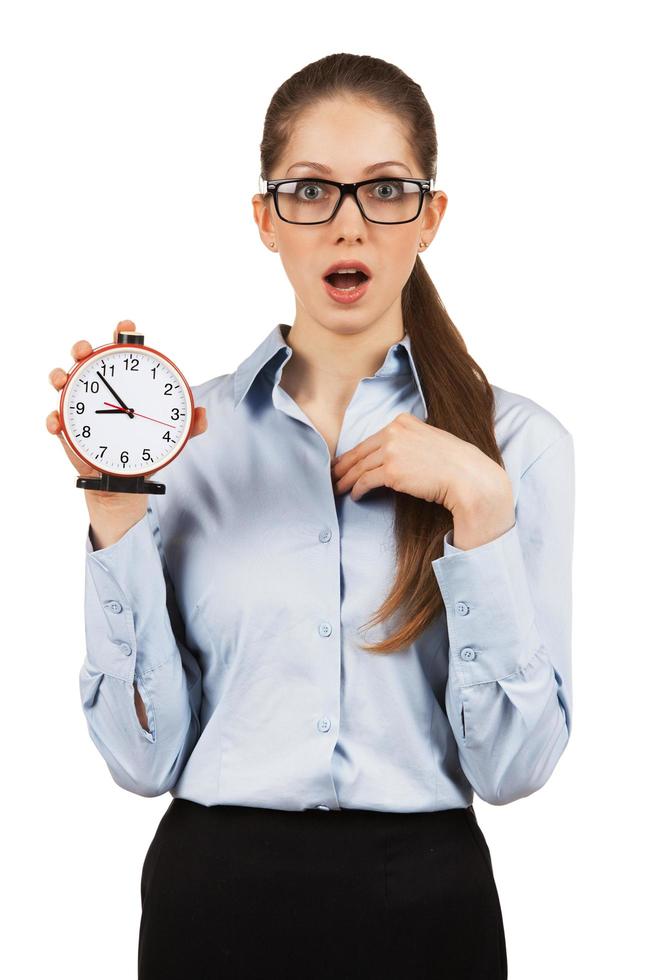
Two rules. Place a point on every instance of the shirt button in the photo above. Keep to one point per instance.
(325, 629)
(113, 606)
(125, 648)
(321, 806)
(467, 653)
(462, 608)
(324, 724)
(325, 534)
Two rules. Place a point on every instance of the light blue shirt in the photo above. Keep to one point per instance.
(235, 604)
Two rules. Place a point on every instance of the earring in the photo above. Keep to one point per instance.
(423, 245)
(272, 244)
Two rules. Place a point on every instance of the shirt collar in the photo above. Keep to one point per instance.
(395, 362)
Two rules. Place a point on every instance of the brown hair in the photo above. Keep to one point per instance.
(458, 396)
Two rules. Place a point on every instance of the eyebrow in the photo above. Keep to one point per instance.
(367, 170)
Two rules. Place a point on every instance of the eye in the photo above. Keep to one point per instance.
(309, 190)
(389, 190)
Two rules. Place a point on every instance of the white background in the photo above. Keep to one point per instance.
(130, 135)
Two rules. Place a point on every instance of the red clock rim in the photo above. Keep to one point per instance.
(100, 350)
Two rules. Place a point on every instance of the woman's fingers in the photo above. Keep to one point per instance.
(125, 325)
(80, 349)
(53, 425)
(58, 377)
(200, 423)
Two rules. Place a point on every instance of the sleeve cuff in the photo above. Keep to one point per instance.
(489, 608)
(125, 592)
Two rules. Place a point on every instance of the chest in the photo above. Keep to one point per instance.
(258, 545)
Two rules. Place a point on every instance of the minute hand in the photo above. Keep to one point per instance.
(140, 415)
(116, 395)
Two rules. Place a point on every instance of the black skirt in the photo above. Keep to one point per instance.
(235, 892)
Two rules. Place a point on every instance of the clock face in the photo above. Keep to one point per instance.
(127, 410)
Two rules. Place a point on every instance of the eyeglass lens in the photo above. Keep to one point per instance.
(313, 200)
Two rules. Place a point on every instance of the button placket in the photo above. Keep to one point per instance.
(325, 629)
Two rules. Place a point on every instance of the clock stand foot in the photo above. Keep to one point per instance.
(121, 484)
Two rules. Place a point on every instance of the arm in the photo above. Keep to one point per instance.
(508, 604)
(135, 643)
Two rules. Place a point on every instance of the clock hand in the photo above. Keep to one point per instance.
(115, 394)
(132, 413)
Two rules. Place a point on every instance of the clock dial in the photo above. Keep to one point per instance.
(127, 410)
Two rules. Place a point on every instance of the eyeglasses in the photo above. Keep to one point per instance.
(382, 200)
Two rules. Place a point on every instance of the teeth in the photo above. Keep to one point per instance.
(344, 270)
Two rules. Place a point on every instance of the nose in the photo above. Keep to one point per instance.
(348, 209)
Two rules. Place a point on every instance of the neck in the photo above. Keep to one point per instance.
(327, 365)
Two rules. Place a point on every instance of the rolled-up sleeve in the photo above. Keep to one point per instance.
(135, 637)
(508, 605)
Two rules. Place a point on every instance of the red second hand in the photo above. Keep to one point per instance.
(120, 407)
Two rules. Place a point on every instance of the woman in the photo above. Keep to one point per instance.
(358, 471)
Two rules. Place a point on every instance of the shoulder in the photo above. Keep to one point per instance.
(524, 430)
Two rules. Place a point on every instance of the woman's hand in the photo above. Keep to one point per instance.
(411, 456)
(58, 378)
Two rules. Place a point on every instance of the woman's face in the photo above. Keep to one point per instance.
(347, 136)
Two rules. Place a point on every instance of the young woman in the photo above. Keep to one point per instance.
(357, 478)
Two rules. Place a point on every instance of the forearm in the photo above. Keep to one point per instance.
(140, 684)
(508, 602)
(109, 521)
(111, 515)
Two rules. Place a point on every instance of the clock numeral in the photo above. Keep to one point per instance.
(168, 388)
(86, 431)
(174, 414)
(112, 369)
(131, 363)
(146, 455)
(124, 457)
(154, 372)
(167, 436)
(92, 386)
(79, 408)
(103, 449)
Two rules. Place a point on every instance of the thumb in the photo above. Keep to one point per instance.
(122, 327)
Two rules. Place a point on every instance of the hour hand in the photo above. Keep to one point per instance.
(114, 410)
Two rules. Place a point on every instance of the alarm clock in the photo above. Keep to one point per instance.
(126, 409)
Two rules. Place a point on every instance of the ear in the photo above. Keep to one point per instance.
(433, 213)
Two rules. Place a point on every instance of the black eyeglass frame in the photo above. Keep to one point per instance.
(426, 187)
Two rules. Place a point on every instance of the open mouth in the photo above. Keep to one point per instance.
(346, 281)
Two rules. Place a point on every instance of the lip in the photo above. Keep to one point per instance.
(348, 264)
(354, 294)
(350, 297)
